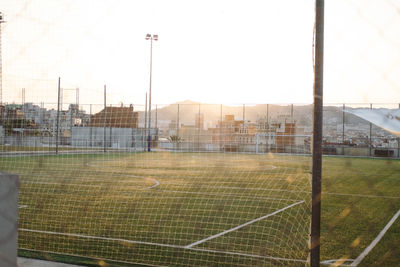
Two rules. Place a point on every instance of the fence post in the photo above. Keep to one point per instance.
(90, 123)
(317, 135)
(198, 130)
(105, 119)
(110, 124)
(58, 114)
(8, 219)
(177, 129)
(343, 119)
(220, 130)
(268, 148)
(145, 125)
(370, 135)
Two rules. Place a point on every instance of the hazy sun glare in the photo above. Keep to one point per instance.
(208, 51)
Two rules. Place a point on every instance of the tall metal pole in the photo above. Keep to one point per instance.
(370, 136)
(145, 125)
(317, 135)
(220, 128)
(58, 113)
(77, 98)
(110, 125)
(23, 110)
(291, 113)
(198, 131)
(177, 130)
(156, 128)
(177, 123)
(244, 112)
(156, 116)
(343, 118)
(90, 123)
(105, 118)
(1, 64)
(151, 69)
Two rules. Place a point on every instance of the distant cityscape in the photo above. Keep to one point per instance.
(190, 126)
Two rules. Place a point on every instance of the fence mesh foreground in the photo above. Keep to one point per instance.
(203, 195)
(196, 184)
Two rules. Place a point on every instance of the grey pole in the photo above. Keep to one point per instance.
(1, 64)
(220, 129)
(110, 125)
(145, 125)
(156, 128)
(317, 135)
(58, 114)
(343, 118)
(198, 131)
(177, 123)
(151, 69)
(370, 135)
(244, 112)
(90, 123)
(156, 116)
(267, 126)
(105, 119)
(151, 38)
(23, 121)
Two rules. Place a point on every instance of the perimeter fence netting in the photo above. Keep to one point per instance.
(211, 191)
(109, 183)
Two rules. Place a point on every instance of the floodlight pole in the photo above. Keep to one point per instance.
(317, 135)
(151, 38)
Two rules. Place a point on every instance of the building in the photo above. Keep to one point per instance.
(115, 117)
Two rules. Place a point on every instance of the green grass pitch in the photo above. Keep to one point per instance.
(173, 209)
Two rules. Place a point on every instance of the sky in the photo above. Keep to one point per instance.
(210, 51)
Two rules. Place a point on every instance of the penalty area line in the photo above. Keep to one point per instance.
(162, 245)
(243, 225)
(376, 240)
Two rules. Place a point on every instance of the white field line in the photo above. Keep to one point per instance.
(95, 258)
(360, 195)
(227, 195)
(376, 240)
(242, 225)
(156, 183)
(161, 245)
(285, 190)
(247, 255)
(99, 238)
(335, 261)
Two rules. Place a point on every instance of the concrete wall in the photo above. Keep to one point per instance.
(114, 137)
(8, 219)
(31, 141)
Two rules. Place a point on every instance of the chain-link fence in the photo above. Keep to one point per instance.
(106, 182)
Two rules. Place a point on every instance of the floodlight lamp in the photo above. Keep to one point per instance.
(155, 37)
(148, 36)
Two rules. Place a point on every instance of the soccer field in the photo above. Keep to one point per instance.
(203, 209)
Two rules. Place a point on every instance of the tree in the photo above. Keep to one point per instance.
(174, 139)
